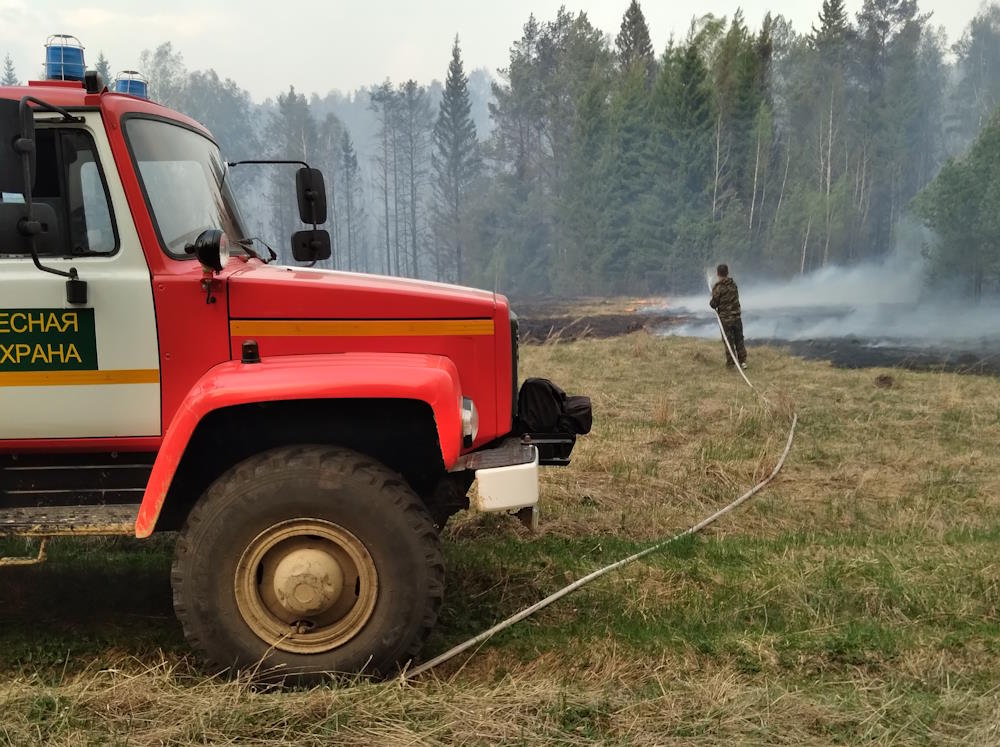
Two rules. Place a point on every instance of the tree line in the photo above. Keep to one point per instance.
(614, 169)
(610, 167)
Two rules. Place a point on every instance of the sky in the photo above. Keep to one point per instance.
(318, 46)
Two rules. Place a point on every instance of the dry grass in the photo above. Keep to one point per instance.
(674, 433)
(855, 601)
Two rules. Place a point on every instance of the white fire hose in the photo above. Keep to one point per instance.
(566, 590)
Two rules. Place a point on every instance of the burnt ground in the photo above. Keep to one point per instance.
(567, 329)
(855, 353)
(566, 321)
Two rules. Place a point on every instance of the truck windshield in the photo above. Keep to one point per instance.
(183, 177)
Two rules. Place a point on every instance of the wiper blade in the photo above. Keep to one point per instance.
(247, 246)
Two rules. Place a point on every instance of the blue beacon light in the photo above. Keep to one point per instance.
(132, 83)
(64, 58)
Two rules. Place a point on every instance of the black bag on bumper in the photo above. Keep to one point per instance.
(551, 419)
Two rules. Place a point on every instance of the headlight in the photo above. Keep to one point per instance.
(211, 248)
(470, 421)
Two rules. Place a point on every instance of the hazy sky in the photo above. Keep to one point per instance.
(266, 45)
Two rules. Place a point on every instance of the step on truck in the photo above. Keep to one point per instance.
(305, 433)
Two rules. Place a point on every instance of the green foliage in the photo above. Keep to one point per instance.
(350, 189)
(977, 94)
(9, 73)
(759, 147)
(633, 45)
(104, 68)
(456, 164)
(960, 205)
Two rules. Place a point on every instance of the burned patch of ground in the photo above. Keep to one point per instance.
(855, 353)
(597, 326)
(578, 319)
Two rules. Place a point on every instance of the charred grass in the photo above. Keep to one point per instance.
(856, 600)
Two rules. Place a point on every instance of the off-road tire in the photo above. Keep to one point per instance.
(328, 484)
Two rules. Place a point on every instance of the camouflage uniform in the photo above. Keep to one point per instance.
(726, 301)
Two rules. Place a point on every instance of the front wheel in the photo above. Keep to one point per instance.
(303, 561)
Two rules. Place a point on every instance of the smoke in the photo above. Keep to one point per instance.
(882, 303)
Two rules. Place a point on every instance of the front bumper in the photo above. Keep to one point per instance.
(507, 476)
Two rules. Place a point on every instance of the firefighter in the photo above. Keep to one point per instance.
(726, 301)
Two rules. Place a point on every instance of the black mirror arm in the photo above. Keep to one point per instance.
(310, 194)
(76, 289)
(266, 162)
(28, 226)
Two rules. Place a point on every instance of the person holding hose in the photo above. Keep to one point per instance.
(726, 302)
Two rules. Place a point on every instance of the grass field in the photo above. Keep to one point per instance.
(856, 600)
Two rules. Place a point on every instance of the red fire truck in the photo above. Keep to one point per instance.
(306, 432)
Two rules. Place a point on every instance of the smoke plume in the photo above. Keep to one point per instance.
(880, 303)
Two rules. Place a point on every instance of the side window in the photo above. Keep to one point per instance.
(91, 228)
(69, 179)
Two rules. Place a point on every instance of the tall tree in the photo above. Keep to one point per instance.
(538, 102)
(633, 44)
(960, 206)
(353, 209)
(292, 133)
(831, 42)
(416, 123)
(225, 108)
(382, 101)
(456, 160)
(164, 69)
(977, 94)
(330, 133)
(834, 27)
(9, 73)
(104, 68)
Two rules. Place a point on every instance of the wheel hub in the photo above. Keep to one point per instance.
(308, 581)
(306, 586)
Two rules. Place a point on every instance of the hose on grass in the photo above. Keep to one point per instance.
(451, 653)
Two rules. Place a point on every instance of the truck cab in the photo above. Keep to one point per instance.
(306, 433)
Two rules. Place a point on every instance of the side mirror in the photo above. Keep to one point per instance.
(211, 248)
(311, 246)
(311, 192)
(17, 137)
(16, 229)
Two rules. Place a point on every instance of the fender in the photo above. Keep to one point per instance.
(429, 378)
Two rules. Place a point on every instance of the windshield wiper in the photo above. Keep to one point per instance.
(247, 246)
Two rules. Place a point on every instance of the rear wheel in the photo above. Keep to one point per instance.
(308, 560)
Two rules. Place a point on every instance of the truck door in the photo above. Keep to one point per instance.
(87, 371)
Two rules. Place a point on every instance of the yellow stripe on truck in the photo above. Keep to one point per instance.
(362, 328)
(79, 378)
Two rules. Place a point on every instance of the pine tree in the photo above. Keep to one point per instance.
(633, 43)
(350, 188)
(104, 68)
(456, 159)
(833, 25)
(383, 101)
(978, 67)
(416, 124)
(960, 207)
(293, 134)
(635, 227)
(9, 74)
(584, 199)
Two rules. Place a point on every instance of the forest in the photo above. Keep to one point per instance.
(595, 164)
